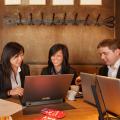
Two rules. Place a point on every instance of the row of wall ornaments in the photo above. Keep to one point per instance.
(108, 21)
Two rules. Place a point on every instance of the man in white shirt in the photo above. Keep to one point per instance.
(109, 51)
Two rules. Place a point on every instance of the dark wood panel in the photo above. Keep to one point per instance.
(118, 19)
(37, 39)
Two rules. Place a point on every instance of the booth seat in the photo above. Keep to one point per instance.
(35, 69)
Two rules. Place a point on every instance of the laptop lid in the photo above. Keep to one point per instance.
(86, 82)
(110, 89)
(99, 100)
(45, 89)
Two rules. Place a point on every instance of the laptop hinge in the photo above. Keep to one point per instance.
(29, 103)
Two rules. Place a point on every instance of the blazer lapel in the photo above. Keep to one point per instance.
(118, 73)
(105, 71)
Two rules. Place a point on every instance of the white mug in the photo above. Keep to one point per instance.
(71, 94)
(75, 88)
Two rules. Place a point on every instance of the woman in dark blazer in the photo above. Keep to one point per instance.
(12, 70)
(58, 62)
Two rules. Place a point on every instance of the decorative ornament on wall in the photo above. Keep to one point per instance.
(87, 21)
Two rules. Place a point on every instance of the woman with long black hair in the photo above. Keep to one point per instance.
(12, 70)
(58, 62)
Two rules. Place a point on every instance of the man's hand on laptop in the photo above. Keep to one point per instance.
(16, 91)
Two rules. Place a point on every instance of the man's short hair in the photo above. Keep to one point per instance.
(112, 44)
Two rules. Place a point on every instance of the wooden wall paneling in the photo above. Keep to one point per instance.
(37, 39)
(1, 24)
(117, 19)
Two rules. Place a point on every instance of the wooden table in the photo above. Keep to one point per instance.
(83, 111)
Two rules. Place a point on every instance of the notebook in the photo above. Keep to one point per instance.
(45, 89)
(99, 101)
(86, 81)
(110, 89)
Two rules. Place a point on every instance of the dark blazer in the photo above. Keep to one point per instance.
(46, 71)
(6, 85)
(104, 71)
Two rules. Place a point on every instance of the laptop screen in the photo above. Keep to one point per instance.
(100, 97)
(44, 88)
(110, 89)
(99, 100)
(86, 81)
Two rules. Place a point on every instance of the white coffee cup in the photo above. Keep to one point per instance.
(75, 88)
(71, 94)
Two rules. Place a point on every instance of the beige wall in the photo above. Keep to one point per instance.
(37, 39)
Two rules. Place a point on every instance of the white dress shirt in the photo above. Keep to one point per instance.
(112, 71)
(15, 80)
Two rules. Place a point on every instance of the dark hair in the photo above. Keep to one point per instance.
(110, 43)
(9, 50)
(55, 48)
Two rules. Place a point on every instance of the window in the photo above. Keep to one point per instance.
(54, 2)
(12, 2)
(63, 2)
(37, 2)
(90, 2)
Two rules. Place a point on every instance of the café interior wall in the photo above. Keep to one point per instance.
(117, 14)
(37, 39)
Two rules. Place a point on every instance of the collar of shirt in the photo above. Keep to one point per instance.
(115, 66)
(19, 70)
(15, 80)
(55, 73)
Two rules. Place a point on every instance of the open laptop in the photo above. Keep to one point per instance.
(110, 89)
(99, 101)
(86, 82)
(46, 89)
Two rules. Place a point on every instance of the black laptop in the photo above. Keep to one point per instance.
(100, 99)
(45, 89)
(110, 89)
